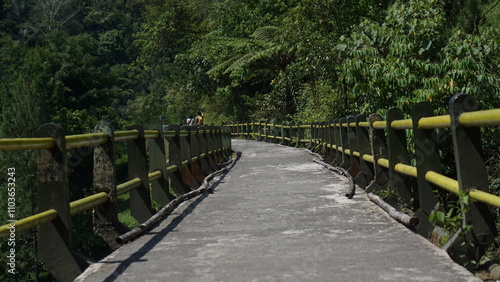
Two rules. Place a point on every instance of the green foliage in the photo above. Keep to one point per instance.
(411, 58)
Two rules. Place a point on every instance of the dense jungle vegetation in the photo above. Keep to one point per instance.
(77, 62)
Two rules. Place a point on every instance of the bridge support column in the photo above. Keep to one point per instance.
(55, 249)
(478, 227)
(105, 216)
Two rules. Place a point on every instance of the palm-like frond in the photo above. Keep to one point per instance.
(265, 52)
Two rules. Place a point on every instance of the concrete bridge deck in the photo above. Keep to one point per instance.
(278, 216)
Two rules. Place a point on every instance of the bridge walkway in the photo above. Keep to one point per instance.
(278, 216)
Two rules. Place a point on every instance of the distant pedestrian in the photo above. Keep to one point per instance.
(189, 120)
(199, 119)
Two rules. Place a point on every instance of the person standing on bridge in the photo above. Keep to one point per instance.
(199, 118)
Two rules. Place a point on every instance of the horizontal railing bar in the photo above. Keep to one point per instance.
(126, 135)
(363, 124)
(128, 186)
(369, 158)
(379, 124)
(151, 134)
(485, 197)
(434, 122)
(29, 222)
(449, 184)
(26, 144)
(155, 176)
(83, 140)
(402, 124)
(88, 203)
(383, 162)
(406, 169)
(172, 168)
(480, 118)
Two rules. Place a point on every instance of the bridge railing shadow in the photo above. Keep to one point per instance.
(399, 159)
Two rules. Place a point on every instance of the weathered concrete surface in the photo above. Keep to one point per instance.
(278, 216)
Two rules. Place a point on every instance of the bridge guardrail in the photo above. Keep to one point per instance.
(376, 154)
(179, 160)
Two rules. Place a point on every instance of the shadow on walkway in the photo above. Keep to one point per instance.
(158, 236)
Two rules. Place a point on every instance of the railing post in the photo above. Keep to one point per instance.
(160, 191)
(194, 149)
(363, 139)
(293, 135)
(55, 246)
(312, 136)
(218, 142)
(344, 143)
(330, 140)
(187, 176)
(478, 220)
(204, 157)
(210, 148)
(398, 153)
(379, 148)
(105, 216)
(355, 169)
(174, 158)
(336, 137)
(427, 159)
(140, 198)
(300, 135)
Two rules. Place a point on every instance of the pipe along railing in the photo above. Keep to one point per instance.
(376, 154)
(179, 160)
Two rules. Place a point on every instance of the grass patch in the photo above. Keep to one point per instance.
(124, 215)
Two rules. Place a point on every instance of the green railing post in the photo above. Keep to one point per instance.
(364, 148)
(398, 153)
(174, 158)
(478, 220)
(55, 247)
(336, 137)
(330, 141)
(293, 135)
(218, 143)
(187, 176)
(300, 134)
(194, 160)
(355, 168)
(212, 161)
(226, 142)
(379, 147)
(160, 191)
(284, 135)
(105, 216)
(140, 198)
(427, 159)
(344, 143)
(202, 141)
